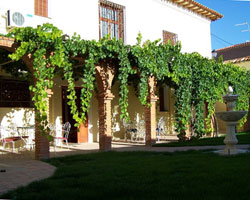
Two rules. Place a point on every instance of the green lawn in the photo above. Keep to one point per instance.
(243, 138)
(143, 175)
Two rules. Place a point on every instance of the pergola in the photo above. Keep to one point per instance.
(105, 73)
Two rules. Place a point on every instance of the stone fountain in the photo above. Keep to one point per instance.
(231, 117)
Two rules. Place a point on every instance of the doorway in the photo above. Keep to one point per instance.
(77, 134)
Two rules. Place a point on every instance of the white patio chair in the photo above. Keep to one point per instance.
(65, 134)
(29, 136)
(140, 134)
(52, 132)
(130, 130)
(160, 128)
(9, 139)
(52, 128)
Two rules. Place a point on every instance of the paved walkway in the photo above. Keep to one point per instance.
(22, 172)
(22, 169)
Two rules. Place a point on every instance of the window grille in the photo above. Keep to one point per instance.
(169, 36)
(111, 20)
(14, 93)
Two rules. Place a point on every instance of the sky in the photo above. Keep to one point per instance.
(224, 32)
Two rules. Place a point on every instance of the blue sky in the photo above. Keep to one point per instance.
(234, 12)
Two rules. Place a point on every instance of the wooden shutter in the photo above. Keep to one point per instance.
(41, 8)
(169, 36)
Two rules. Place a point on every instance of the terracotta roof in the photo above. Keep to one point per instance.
(239, 60)
(235, 53)
(198, 8)
(234, 46)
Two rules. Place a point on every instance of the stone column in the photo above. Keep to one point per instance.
(150, 113)
(105, 123)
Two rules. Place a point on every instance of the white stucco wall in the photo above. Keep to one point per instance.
(150, 17)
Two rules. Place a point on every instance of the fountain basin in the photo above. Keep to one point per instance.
(231, 116)
(230, 98)
(225, 152)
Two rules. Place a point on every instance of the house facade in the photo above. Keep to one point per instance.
(238, 54)
(183, 20)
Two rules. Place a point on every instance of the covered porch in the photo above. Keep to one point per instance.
(104, 76)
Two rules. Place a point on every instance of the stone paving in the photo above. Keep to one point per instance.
(16, 173)
(21, 169)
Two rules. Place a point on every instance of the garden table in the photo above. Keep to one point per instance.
(26, 134)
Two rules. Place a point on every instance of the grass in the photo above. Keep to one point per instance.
(143, 175)
(243, 138)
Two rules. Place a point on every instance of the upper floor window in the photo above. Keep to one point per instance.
(169, 36)
(41, 8)
(111, 20)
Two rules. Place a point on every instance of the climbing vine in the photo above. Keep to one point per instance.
(44, 44)
(196, 80)
(153, 59)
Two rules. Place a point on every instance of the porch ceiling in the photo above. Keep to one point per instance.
(6, 42)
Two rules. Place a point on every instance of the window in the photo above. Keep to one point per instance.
(164, 98)
(41, 8)
(169, 36)
(14, 93)
(111, 20)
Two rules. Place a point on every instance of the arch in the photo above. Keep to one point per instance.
(104, 74)
(41, 142)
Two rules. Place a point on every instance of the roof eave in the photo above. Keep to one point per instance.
(198, 8)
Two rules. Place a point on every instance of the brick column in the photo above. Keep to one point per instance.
(105, 122)
(150, 113)
(104, 77)
(41, 142)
